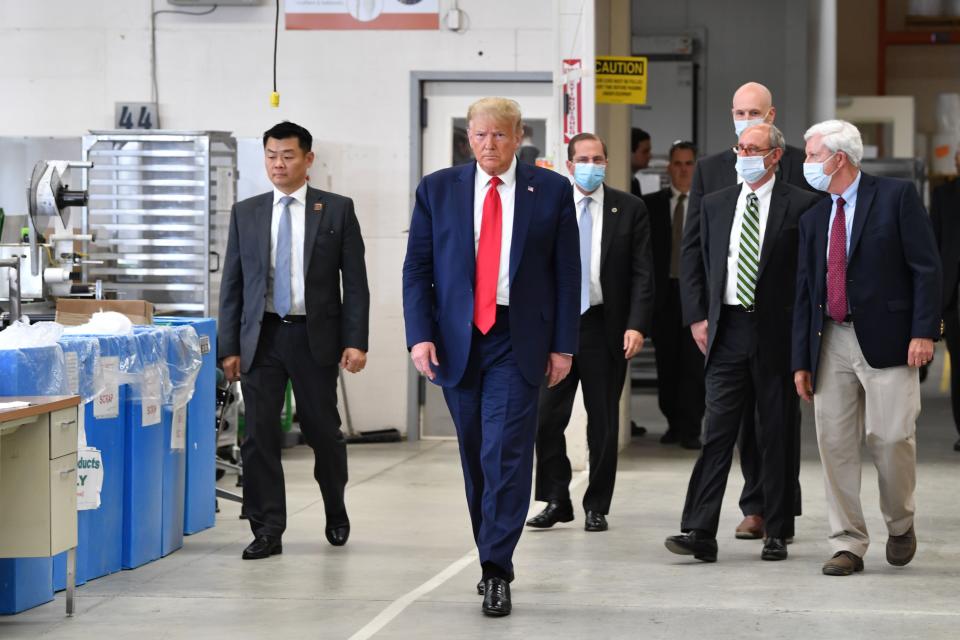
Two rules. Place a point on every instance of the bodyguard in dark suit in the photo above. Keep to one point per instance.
(749, 234)
(679, 361)
(616, 305)
(491, 302)
(945, 216)
(866, 316)
(282, 318)
(752, 104)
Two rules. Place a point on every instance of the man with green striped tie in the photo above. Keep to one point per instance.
(750, 242)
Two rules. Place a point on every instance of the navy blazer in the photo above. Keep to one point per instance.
(893, 275)
(333, 252)
(438, 272)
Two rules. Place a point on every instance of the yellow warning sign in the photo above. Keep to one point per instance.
(621, 80)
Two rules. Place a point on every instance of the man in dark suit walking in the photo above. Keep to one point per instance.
(640, 153)
(749, 235)
(616, 305)
(866, 316)
(282, 318)
(679, 361)
(752, 105)
(945, 216)
(491, 303)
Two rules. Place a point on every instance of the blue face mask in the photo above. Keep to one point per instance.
(742, 125)
(589, 176)
(751, 168)
(815, 176)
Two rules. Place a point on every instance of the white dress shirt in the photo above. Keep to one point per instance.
(297, 221)
(733, 254)
(507, 191)
(596, 230)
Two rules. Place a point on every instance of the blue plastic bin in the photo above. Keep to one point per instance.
(143, 461)
(99, 531)
(200, 504)
(37, 371)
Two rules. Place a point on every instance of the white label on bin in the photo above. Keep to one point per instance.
(107, 404)
(71, 361)
(178, 430)
(89, 478)
(151, 393)
(204, 345)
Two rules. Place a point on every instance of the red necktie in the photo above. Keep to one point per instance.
(837, 266)
(488, 260)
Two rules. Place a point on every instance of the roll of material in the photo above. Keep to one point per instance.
(54, 275)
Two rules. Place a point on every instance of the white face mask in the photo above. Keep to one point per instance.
(742, 125)
(751, 168)
(815, 176)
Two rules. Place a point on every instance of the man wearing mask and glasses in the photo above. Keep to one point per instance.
(616, 308)
(749, 237)
(752, 105)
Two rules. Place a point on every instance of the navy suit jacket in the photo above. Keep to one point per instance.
(893, 275)
(333, 252)
(438, 272)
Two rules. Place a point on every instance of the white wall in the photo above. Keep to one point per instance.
(64, 63)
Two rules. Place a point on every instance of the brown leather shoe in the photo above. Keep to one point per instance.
(900, 549)
(750, 528)
(843, 563)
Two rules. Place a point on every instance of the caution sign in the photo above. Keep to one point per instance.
(621, 80)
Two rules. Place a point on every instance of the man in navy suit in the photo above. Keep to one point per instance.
(865, 319)
(491, 302)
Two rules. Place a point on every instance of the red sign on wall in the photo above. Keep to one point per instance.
(572, 105)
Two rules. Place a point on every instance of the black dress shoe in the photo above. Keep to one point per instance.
(481, 589)
(554, 512)
(262, 547)
(337, 536)
(496, 597)
(956, 445)
(696, 543)
(637, 430)
(595, 521)
(670, 437)
(774, 549)
(690, 442)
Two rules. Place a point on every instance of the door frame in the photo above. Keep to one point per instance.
(415, 382)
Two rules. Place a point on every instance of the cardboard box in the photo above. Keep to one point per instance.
(74, 311)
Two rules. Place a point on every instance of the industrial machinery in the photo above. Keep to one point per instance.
(43, 267)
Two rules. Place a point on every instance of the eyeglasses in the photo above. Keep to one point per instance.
(749, 151)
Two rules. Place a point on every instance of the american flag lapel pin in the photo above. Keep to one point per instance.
(318, 207)
(530, 189)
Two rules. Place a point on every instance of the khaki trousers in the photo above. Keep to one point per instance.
(852, 399)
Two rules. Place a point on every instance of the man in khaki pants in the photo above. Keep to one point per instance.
(866, 316)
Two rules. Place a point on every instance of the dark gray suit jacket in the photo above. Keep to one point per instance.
(333, 248)
(712, 174)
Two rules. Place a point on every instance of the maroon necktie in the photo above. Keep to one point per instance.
(488, 260)
(837, 266)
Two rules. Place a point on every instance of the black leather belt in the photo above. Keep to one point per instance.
(739, 308)
(285, 319)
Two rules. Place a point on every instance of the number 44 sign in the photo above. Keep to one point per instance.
(135, 115)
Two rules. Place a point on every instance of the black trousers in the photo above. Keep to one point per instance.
(680, 387)
(601, 375)
(734, 364)
(283, 353)
(951, 331)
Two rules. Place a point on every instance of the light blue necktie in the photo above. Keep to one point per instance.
(586, 245)
(281, 270)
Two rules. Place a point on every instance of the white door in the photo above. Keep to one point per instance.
(444, 144)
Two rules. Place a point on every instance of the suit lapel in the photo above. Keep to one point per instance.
(463, 199)
(524, 199)
(775, 217)
(820, 240)
(264, 223)
(722, 221)
(610, 220)
(865, 193)
(311, 225)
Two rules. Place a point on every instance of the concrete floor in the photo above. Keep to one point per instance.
(411, 534)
